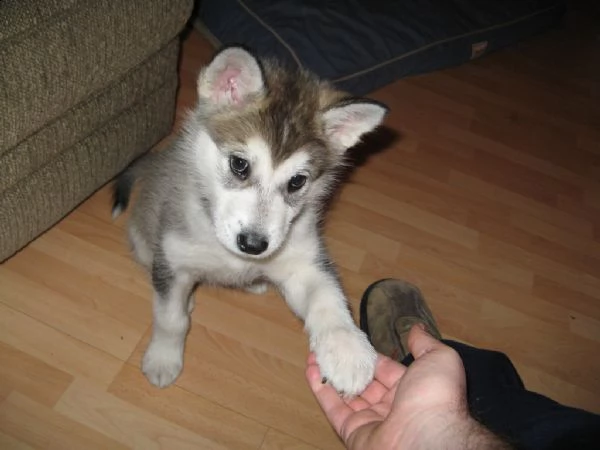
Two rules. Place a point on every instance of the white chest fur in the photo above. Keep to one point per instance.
(208, 261)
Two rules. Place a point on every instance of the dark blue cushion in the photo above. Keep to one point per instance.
(363, 45)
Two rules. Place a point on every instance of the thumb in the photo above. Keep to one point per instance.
(420, 342)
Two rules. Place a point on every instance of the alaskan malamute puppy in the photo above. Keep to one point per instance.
(236, 200)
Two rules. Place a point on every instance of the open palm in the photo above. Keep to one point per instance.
(369, 409)
(399, 401)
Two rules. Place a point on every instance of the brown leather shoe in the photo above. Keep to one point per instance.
(388, 310)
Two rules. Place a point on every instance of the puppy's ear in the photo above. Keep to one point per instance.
(347, 121)
(232, 77)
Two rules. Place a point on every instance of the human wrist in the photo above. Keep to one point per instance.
(450, 430)
(477, 436)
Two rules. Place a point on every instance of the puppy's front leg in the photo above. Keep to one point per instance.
(343, 352)
(163, 359)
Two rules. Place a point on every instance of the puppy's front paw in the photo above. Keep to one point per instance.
(162, 363)
(346, 358)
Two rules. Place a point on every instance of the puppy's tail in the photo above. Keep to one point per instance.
(122, 191)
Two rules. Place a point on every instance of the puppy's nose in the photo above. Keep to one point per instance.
(252, 243)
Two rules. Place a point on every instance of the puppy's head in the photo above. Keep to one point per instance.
(266, 140)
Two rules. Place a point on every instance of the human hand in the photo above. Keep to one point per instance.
(422, 406)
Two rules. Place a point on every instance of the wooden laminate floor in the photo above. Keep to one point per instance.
(489, 200)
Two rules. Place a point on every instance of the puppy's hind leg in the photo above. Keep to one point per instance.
(163, 359)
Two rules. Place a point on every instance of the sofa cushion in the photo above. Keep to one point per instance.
(81, 120)
(35, 203)
(54, 54)
(21, 15)
(364, 44)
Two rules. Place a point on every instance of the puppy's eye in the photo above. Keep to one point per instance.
(296, 182)
(239, 166)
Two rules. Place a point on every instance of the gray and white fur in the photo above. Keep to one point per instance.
(236, 201)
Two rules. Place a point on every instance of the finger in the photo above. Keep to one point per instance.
(334, 407)
(388, 371)
(420, 342)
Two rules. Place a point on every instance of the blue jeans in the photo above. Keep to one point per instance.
(498, 399)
